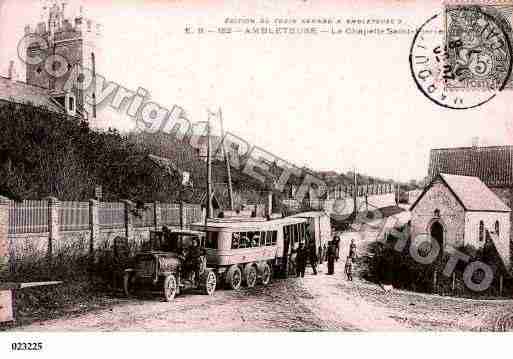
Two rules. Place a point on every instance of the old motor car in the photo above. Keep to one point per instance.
(160, 265)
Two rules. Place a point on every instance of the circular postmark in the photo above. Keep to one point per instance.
(461, 60)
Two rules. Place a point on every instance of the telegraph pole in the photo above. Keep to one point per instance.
(209, 174)
(355, 191)
(227, 161)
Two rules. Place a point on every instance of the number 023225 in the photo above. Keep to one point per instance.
(26, 346)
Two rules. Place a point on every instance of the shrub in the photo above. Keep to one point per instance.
(386, 265)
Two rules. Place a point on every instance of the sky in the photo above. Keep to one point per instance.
(330, 102)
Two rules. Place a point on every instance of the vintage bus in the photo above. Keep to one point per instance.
(319, 225)
(244, 251)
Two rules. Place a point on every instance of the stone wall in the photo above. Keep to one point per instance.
(4, 230)
(501, 242)
(506, 195)
(68, 246)
(452, 215)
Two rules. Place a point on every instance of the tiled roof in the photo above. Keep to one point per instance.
(493, 165)
(471, 192)
(20, 92)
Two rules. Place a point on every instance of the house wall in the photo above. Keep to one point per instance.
(472, 220)
(502, 241)
(452, 215)
(506, 196)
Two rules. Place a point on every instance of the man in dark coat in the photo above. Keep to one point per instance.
(301, 256)
(352, 250)
(194, 259)
(312, 257)
(320, 254)
(332, 253)
(336, 242)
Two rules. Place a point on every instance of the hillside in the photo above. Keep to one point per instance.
(45, 154)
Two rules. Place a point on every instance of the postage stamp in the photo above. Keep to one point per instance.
(478, 40)
(462, 58)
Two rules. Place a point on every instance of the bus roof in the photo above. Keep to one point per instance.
(311, 214)
(247, 223)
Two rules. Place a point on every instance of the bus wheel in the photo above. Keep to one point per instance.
(234, 277)
(250, 275)
(265, 277)
(170, 287)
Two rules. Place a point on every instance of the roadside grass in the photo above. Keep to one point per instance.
(88, 283)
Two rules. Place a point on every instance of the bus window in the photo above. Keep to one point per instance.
(291, 233)
(269, 238)
(244, 241)
(254, 239)
(211, 240)
(274, 234)
(236, 240)
(263, 238)
(302, 229)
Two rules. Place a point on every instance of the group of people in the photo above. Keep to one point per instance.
(330, 252)
(304, 255)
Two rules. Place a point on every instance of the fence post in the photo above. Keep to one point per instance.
(53, 225)
(269, 209)
(157, 215)
(4, 235)
(203, 214)
(183, 215)
(94, 223)
(129, 219)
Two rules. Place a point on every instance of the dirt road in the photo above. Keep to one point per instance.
(315, 303)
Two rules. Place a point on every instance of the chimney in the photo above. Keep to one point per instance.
(475, 142)
(41, 28)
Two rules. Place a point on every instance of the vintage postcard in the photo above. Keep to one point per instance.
(258, 166)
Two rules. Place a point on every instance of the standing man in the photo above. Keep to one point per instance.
(337, 248)
(331, 257)
(320, 254)
(349, 268)
(352, 250)
(312, 257)
(195, 260)
(301, 260)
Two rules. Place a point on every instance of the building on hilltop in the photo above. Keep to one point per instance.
(76, 41)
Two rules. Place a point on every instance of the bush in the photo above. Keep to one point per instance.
(386, 265)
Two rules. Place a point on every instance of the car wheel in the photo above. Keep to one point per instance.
(170, 287)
